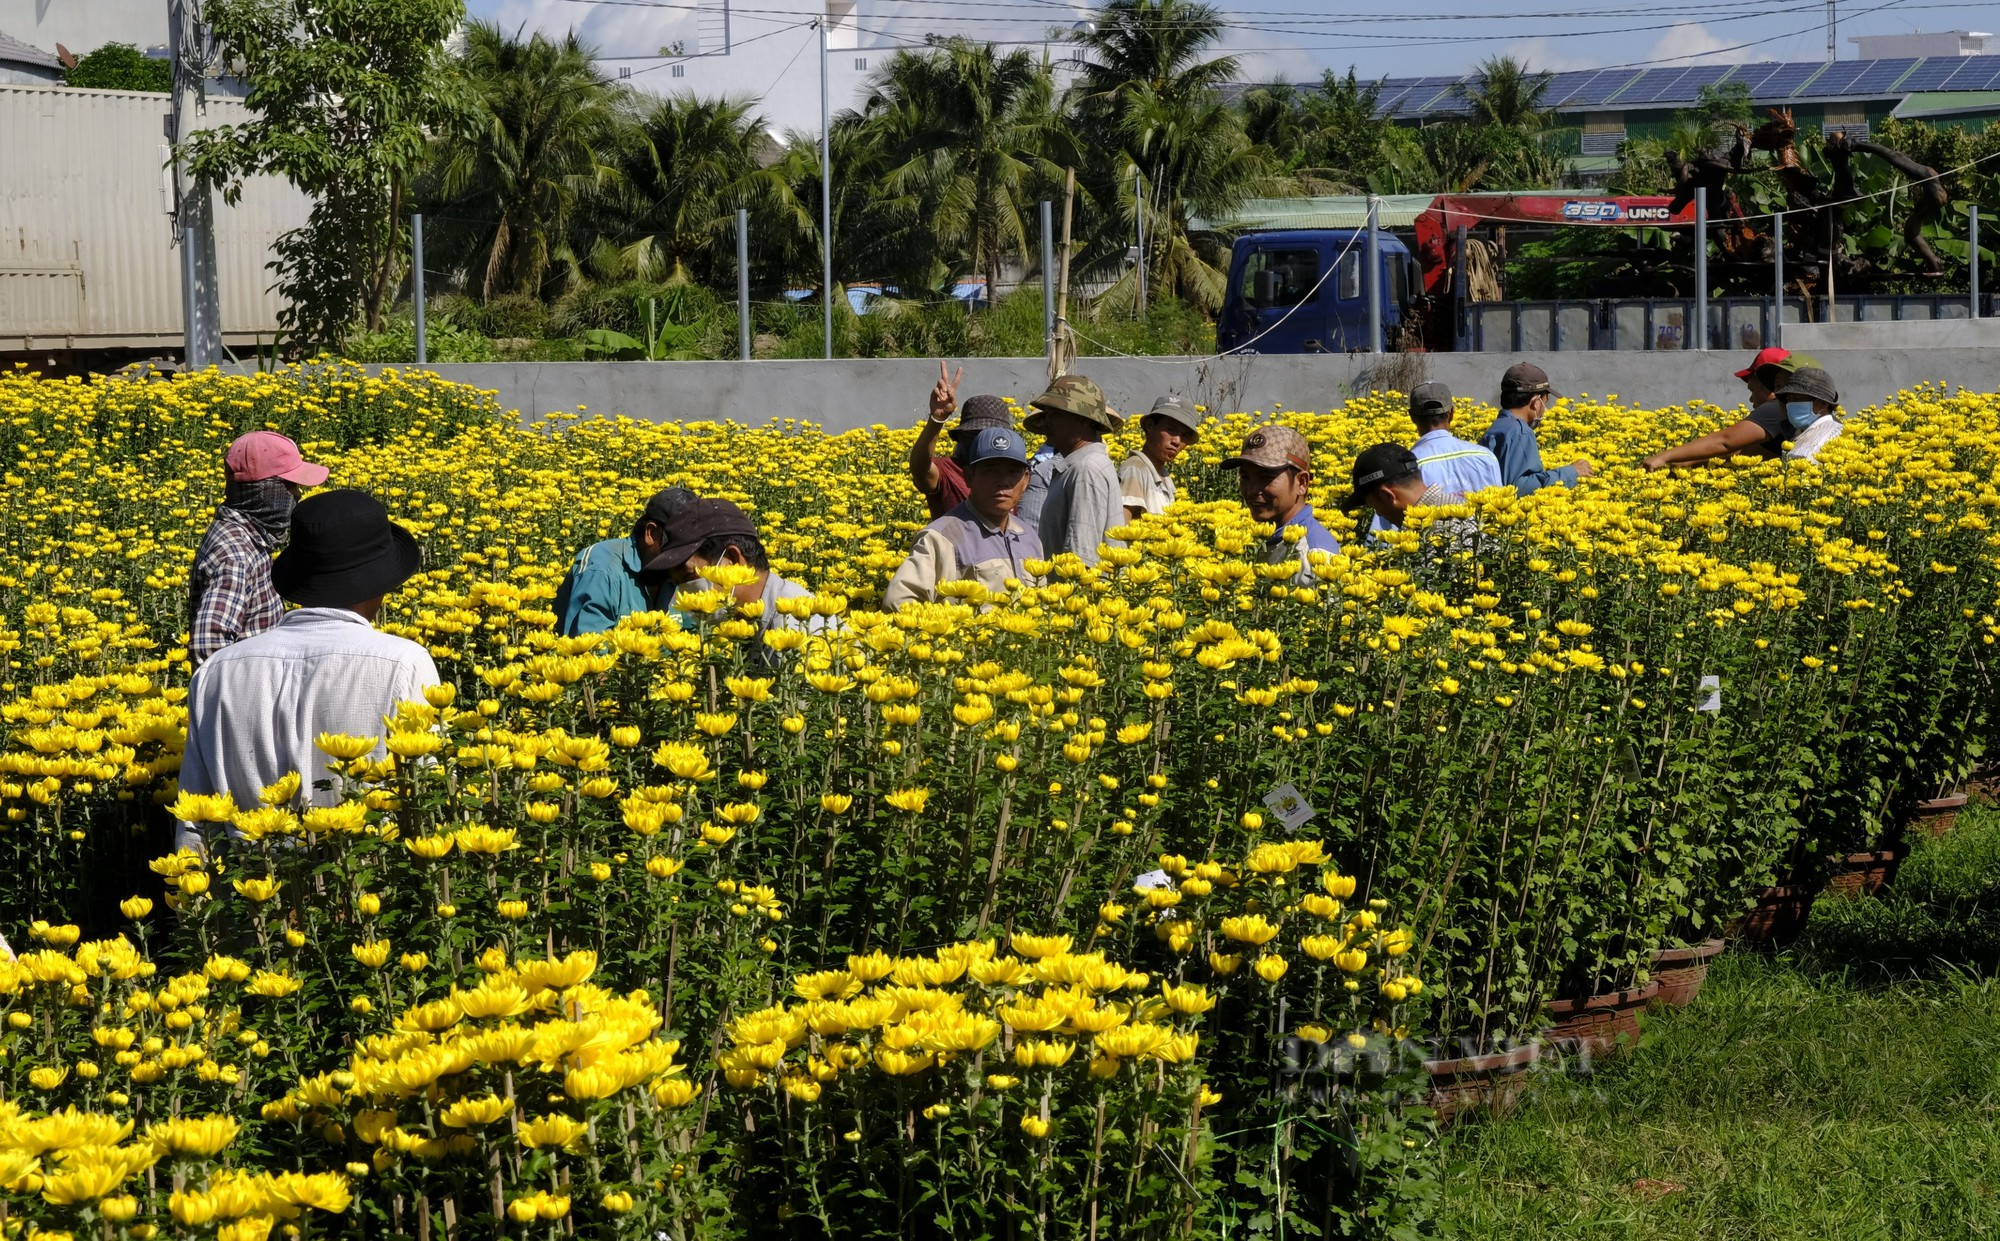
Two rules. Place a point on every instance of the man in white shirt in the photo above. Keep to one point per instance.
(1810, 402)
(256, 706)
(1084, 504)
(1143, 479)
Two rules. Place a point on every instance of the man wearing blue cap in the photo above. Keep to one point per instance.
(980, 540)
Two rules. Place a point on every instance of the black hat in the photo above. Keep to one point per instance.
(980, 412)
(695, 524)
(1376, 467)
(661, 508)
(344, 550)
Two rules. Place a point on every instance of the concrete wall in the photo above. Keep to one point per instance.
(843, 395)
(1925, 334)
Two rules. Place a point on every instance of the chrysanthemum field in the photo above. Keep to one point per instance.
(995, 918)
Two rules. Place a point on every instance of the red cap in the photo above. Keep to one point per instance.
(267, 454)
(1765, 357)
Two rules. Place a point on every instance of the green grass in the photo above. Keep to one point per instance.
(1943, 909)
(1790, 1101)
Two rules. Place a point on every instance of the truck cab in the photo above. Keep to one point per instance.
(1304, 291)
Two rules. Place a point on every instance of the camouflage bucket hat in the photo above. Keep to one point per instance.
(1073, 394)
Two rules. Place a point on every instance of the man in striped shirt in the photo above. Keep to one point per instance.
(1445, 461)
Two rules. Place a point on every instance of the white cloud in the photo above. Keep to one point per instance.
(1546, 56)
(1691, 43)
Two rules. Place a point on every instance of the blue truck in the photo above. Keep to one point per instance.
(1305, 291)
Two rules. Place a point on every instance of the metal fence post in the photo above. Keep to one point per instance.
(1778, 270)
(1975, 260)
(417, 282)
(825, 194)
(743, 284)
(1699, 329)
(1374, 273)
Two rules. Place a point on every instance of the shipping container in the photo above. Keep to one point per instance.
(87, 260)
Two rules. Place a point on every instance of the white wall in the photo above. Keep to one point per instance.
(1918, 43)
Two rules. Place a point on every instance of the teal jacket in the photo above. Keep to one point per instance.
(603, 585)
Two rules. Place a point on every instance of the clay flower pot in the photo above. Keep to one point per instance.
(1600, 1025)
(1778, 917)
(1492, 1082)
(1935, 817)
(1864, 874)
(1681, 972)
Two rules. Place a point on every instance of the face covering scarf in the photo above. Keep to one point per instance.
(266, 501)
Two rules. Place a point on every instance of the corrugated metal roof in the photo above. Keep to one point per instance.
(12, 49)
(1948, 103)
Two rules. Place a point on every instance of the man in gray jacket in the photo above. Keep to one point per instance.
(1084, 500)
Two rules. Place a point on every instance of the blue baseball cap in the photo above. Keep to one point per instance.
(995, 444)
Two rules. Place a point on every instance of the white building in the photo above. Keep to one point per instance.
(1918, 43)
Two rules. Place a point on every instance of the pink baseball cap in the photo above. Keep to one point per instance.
(267, 454)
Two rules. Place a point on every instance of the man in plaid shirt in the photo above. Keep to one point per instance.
(230, 595)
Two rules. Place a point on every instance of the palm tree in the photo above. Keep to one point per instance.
(1507, 95)
(515, 176)
(965, 139)
(1148, 87)
(686, 168)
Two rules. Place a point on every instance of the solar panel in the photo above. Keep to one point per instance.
(1687, 88)
(1652, 84)
(1393, 91)
(1879, 77)
(1564, 85)
(1424, 95)
(1840, 77)
(1930, 75)
(1602, 87)
(1754, 76)
(1788, 79)
(1974, 73)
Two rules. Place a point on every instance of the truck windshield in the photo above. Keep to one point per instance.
(1293, 273)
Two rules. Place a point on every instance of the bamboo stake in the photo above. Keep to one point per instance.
(1061, 348)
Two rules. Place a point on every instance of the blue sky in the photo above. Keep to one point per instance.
(1297, 38)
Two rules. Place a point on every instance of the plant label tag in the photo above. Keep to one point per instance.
(1292, 809)
(1713, 703)
(1152, 879)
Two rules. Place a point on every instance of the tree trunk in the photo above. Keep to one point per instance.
(385, 261)
(493, 261)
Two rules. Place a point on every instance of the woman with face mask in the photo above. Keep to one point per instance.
(1810, 400)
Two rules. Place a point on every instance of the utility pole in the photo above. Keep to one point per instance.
(825, 190)
(1698, 322)
(1832, 25)
(1374, 281)
(194, 211)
